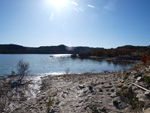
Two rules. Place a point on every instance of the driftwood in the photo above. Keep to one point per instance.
(141, 87)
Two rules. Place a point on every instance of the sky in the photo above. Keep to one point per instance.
(94, 23)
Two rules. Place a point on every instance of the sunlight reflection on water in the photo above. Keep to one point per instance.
(57, 64)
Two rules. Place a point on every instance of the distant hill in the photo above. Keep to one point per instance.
(84, 52)
(61, 49)
(123, 51)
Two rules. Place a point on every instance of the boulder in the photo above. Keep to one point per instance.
(120, 84)
(147, 110)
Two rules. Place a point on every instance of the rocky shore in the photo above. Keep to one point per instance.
(85, 93)
(119, 92)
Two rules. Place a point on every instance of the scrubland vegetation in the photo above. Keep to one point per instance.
(134, 52)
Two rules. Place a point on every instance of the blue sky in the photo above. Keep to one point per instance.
(95, 23)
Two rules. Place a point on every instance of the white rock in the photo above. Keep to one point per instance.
(139, 78)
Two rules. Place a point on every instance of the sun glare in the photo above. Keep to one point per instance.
(59, 3)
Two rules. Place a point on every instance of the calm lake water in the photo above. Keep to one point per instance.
(57, 64)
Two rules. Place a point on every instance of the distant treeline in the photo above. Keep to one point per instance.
(61, 49)
(124, 51)
(84, 52)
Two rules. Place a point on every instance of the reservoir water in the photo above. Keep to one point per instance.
(48, 64)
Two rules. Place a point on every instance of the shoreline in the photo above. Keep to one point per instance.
(84, 93)
(75, 89)
(72, 90)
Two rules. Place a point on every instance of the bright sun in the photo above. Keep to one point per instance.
(58, 3)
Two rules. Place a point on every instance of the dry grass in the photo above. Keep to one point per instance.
(136, 67)
(119, 74)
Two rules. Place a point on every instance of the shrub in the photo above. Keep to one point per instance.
(146, 79)
(129, 96)
(23, 69)
(127, 75)
(50, 102)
